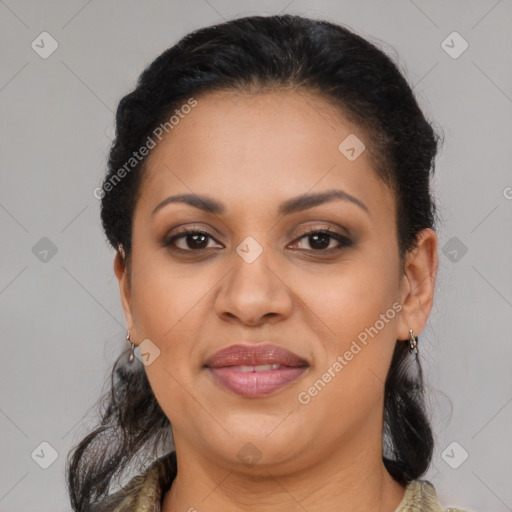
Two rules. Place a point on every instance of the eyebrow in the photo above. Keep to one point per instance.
(292, 205)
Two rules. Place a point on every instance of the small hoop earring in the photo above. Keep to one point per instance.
(413, 343)
(132, 355)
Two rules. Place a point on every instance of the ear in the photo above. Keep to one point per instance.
(123, 279)
(418, 283)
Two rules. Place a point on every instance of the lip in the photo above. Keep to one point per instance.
(264, 353)
(231, 368)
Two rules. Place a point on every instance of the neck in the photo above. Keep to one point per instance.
(346, 480)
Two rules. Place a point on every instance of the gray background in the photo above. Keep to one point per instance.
(61, 320)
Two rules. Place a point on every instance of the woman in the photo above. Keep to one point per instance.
(268, 199)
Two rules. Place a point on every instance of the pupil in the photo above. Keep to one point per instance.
(196, 244)
(315, 244)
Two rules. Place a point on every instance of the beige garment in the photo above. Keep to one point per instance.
(145, 492)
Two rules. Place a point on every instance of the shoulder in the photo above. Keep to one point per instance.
(420, 496)
(143, 492)
(124, 499)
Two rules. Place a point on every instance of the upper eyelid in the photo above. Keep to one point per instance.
(193, 229)
(326, 228)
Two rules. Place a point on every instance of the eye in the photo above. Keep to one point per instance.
(190, 239)
(320, 240)
(195, 240)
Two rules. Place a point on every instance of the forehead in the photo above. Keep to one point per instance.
(260, 148)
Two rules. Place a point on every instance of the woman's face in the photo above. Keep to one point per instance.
(325, 309)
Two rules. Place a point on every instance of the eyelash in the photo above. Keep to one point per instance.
(184, 232)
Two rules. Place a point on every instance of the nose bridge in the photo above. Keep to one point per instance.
(251, 262)
(251, 290)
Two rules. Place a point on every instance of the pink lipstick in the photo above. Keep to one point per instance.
(255, 371)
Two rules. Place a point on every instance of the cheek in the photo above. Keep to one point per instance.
(163, 307)
(167, 304)
(348, 299)
(162, 295)
(357, 313)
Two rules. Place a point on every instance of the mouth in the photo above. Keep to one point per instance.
(255, 371)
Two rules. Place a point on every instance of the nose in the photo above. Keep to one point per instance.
(254, 293)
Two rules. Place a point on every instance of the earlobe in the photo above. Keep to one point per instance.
(121, 272)
(418, 284)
